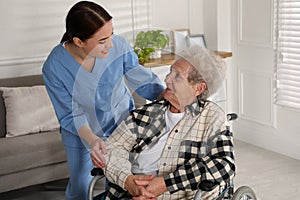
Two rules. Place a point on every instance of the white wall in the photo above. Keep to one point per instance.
(168, 15)
(28, 34)
(196, 16)
(210, 17)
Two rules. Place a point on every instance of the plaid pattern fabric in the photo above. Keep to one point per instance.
(200, 147)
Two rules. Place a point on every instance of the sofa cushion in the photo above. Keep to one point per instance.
(31, 151)
(15, 82)
(28, 110)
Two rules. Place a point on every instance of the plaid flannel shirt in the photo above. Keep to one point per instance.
(199, 147)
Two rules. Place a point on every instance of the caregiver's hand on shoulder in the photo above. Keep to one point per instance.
(98, 150)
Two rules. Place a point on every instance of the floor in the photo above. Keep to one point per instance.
(272, 176)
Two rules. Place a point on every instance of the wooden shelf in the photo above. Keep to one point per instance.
(168, 59)
(224, 54)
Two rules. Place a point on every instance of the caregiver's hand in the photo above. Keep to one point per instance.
(97, 153)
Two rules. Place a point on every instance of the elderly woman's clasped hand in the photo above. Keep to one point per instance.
(145, 187)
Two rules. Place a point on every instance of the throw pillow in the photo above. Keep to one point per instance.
(28, 110)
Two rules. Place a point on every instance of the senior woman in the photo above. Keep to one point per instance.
(163, 150)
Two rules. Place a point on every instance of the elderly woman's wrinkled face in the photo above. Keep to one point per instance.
(180, 92)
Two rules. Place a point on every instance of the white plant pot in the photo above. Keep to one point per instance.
(156, 54)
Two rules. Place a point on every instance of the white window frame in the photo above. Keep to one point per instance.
(287, 53)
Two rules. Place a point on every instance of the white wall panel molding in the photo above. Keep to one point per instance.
(256, 97)
(21, 66)
(5, 62)
(255, 23)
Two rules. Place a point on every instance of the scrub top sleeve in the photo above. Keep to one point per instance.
(62, 102)
(141, 80)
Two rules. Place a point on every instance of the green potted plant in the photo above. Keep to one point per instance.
(148, 44)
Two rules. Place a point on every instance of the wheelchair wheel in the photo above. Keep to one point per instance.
(244, 193)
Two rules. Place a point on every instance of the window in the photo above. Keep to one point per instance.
(129, 16)
(287, 63)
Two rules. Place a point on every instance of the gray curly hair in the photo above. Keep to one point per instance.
(206, 67)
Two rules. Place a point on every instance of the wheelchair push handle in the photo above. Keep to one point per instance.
(97, 171)
(232, 116)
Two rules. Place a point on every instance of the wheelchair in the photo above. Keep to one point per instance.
(227, 192)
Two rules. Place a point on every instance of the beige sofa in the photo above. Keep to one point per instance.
(29, 158)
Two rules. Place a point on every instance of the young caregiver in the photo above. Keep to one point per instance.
(85, 78)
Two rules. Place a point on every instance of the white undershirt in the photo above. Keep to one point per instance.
(149, 159)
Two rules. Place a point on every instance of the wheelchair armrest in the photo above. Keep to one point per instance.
(207, 185)
(98, 174)
(97, 171)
